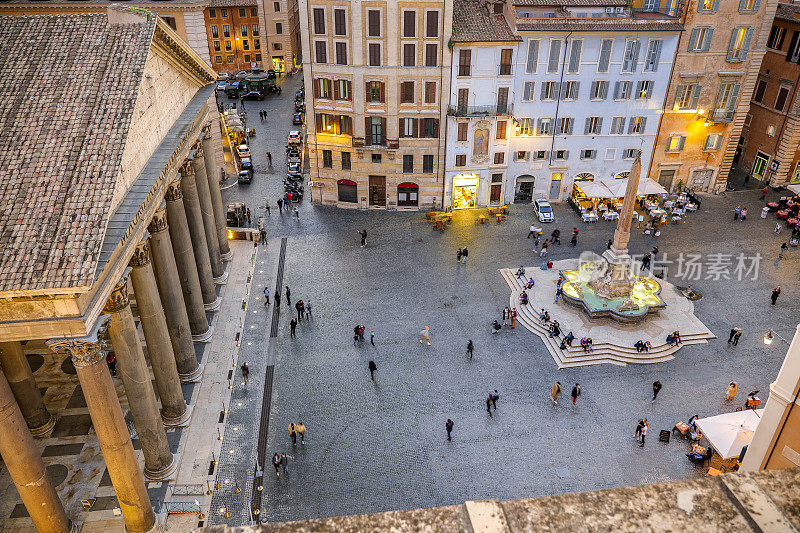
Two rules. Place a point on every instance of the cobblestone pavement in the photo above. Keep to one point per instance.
(374, 446)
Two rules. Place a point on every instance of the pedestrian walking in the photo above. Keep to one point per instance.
(736, 336)
(543, 253)
(559, 292)
(297, 213)
(276, 462)
(372, 368)
(533, 231)
(495, 398)
(646, 261)
(449, 427)
(506, 314)
(470, 348)
(464, 254)
(458, 255)
(301, 430)
(576, 391)
(743, 215)
(425, 335)
(514, 317)
(111, 361)
(778, 228)
(288, 295)
(280, 205)
(266, 295)
(764, 192)
(784, 247)
(300, 307)
(730, 392)
(285, 463)
(574, 240)
(269, 159)
(736, 212)
(536, 243)
(775, 293)
(639, 425)
(292, 327)
(293, 433)
(245, 372)
(643, 432)
(249, 223)
(372, 337)
(555, 391)
(730, 337)
(262, 236)
(489, 405)
(309, 316)
(363, 234)
(267, 207)
(656, 390)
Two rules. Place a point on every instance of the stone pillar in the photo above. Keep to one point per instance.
(209, 224)
(26, 468)
(156, 335)
(184, 260)
(23, 385)
(169, 288)
(194, 218)
(220, 218)
(159, 463)
(112, 432)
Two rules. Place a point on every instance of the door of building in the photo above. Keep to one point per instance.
(377, 191)
(555, 186)
(494, 193)
(665, 178)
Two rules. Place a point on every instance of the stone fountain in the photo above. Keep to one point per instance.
(607, 286)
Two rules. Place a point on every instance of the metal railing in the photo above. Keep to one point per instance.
(721, 115)
(480, 110)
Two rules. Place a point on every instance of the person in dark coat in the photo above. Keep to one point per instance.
(372, 368)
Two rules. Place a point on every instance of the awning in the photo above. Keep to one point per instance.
(408, 185)
(649, 186)
(795, 188)
(594, 189)
(347, 182)
(729, 432)
(619, 186)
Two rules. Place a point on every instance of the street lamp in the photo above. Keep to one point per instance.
(238, 63)
(770, 336)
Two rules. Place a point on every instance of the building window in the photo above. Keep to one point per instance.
(375, 91)
(593, 125)
(409, 55)
(323, 88)
(565, 126)
(319, 20)
(588, 154)
(255, 30)
(214, 32)
(258, 57)
(700, 39)
(575, 56)
(520, 155)
(524, 126)
(622, 90)
(376, 158)
(245, 44)
(707, 5)
(653, 55)
(339, 22)
(407, 92)
(408, 164)
(505, 61)
(431, 55)
(760, 165)
(562, 155)
(605, 55)
(223, 13)
(226, 30)
(533, 56)
(569, 90)
(461, 134)
(212, 13)
(776, 36)
(611, 154)
(544, 126)
(550, 90)
(461, 160)
(327, 159)
(320, 48)
(373, 23)
(725, 104)
(257, 44)
(539, 155)
(644, 89)
(374, 54)
(499, 158)
(347, 191)
(277, 46)
(341, 53)
(675, 143)
(528, 90)
(740, 44)
(218, 59)
(342, 90)
(780, 101)
(793, 53)
(377, 130)
(502, 99)
(771, 130)
(637, 125)
(247, 58)
(630, 153)
(430, 128)
(464, 62)
(617, 125)
(430, 92)
(432, 24)
(216, 46)
(242, 12)
(276, 6)
(427, 164)
(345, 160)
(229, 59)
(279, 28)
(409, 24)
(599, 90)
(501, 130)
(686, 96)
(760, 89)
(555, 56)
(713, 142)
(228, 46)
(746, 6)
(631, 55)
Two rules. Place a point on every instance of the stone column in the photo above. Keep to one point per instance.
(23, 385)
(26, 468)
(159, 463)
(207, 210)
(216, 194)
(112, 432)
(184, 260)
(159, 347)
(169, 288)
(194, 218)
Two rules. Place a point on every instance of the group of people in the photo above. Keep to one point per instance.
(358, 335)
(510, 316)
(739, 213)
(461, 255)
(555, 392)
(674, 338)
(642, 346)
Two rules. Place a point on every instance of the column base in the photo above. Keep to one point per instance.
(205, 336)
(180, 421)
(227, 256)
(222, 279)
(165, 473)
(192, 377)
(45, 429)
(213, 306)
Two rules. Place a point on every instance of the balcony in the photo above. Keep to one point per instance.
(499, 110)
(721, 115)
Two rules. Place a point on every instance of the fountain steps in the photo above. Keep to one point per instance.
(603, 352)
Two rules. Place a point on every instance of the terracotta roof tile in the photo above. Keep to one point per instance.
(642, 22)
(570, 3)
(472, 22)
(70, 85)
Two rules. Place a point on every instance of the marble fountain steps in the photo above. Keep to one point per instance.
(604, 351)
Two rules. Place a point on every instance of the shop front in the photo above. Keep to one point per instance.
(524, 190)
(408, 195)
(347, 191)
(465, 191)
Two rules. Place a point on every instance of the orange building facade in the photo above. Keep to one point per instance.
(235, 33)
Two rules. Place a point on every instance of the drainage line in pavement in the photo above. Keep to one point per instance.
(276, 309)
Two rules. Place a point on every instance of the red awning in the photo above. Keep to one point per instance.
(347, 182)
(408, 185)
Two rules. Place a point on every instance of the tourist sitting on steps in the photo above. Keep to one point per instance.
(496, 327)
(555, 330)
(569, 338)
(529, 285)
(544, 316)
(639, 346)
(523, 298)
(521, 272)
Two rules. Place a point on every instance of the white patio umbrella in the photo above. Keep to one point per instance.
(593, 189)
(648, 186)
(729, 432)
(617, 186)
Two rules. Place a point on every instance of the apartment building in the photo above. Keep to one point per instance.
(234, 34)
(768, 146)
(715, 70)
(374, 73)
(282, 30)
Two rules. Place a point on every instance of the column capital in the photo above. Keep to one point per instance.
(207, 130)
(186, 169)
(84, 351)
(119, 297)
(159, 221)
(198, 150)
(174, 191)
(141, 256)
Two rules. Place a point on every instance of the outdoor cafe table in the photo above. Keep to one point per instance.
(611, 215)
(589, 217)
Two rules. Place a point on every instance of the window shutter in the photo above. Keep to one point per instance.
(563, 92)
(401, 127)
(605, 55)
(636, 45)
(630, 124)
(414, 127)
(678, 92)
(335, 89)
(383, 92)
(367, 92)
(383, 130)
(593, 90)
(715, 6)
(599, 125)
(617, 86)
(746, 47)
(696, 96)
(732, 43)
(734, 96)
(643, 125)
(575, 56)
(538, 126)
(757, 5)
(570, 123)
(604, 90)
(367, 130)
(542, 93)
(639, 86)
(349, 86)
(587, 129)
(316, 88)
(533, 56)
(555, 51)
(566, 155)
(319, 122)
(577, 89)
(693, 39)
(436, 128)
(707, 41)
(742, 4)
(432, 29)
(681, 142)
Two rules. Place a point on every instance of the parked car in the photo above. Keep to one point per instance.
(247, 163)
(253, 95)
(297, 119)
(243, 150)
(245, 176)
(294, 156)
(295, 137)
(242, 74)
(232, 89)
(221, 85)
(299, 95)
(294, 169)
(543, 211)
(223, 76)
(299, 107)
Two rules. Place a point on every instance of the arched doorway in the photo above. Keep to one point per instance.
(523, 193)
(583, 176)
(622, 175)
(348, 191)
(408, 194)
